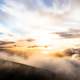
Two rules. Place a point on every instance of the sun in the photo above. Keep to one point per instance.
(42, 38)
(45, 39)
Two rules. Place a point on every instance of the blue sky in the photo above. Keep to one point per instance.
(23, 17)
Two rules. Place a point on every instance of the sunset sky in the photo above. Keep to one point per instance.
(19, 18)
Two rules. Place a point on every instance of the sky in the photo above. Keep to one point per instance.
(20, 18)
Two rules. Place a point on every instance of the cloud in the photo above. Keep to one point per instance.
(7, 34)
(27, 16)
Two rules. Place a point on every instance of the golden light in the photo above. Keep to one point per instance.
(52, 42)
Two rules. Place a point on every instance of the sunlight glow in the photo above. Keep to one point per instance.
(42, 38)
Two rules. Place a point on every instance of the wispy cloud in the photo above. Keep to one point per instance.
(27, 16)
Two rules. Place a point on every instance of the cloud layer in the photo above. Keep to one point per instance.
(24, 17)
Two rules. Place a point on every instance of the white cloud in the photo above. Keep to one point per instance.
(42, 19)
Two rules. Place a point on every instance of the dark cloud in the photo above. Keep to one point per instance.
(71, 33)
